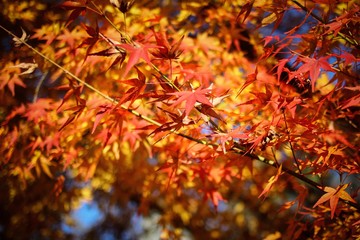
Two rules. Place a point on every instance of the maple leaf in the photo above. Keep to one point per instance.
(313, 66)
(69, 156)
(52, 141)
(176, 123)
(138, 87)
(333, 196)
(281, 67)
(120, 55)
(92, 40)
(245, 9)
(208, 111)
(10, 82)
(104, 109)
(249, 80)
(73, 90)
(191, 97)
(193, 71)
(356, 223)
(136, 51)
(38, 111)
(271, 182)
(336, 25)
(70, 37)
(291, 105)
(349, 58)
(215, 197)
(47, 32)
(207, 43)
(77, 7)
(77, 112)
(353, 101)
(165, 50)
(20, 110)
(268, 39)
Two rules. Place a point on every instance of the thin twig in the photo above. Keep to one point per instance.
(276, 161)
(351, 41)
(122, 34)
(308, 11)
(291, 146)
(37, 89)
(124, 14)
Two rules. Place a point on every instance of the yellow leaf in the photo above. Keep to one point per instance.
(271, 182)
(91, 171)
(45, 167)
(273, 236)
(269, 19)
(344, 195)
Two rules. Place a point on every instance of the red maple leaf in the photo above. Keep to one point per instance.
(249, 80)
(191, 97)
(138, 86)
(112, 51)
(77, 7)
(136, 51)
(166, 50)
(313, 66)
(349, 58)
(281, 67)
(352, 102)
(90, 41)
(245, 9)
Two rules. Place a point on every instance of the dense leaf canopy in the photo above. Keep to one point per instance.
(180, 119)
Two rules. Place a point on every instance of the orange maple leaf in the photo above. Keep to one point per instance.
(333, 196)
(271, 182)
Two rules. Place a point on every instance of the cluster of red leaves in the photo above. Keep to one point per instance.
(196, 104)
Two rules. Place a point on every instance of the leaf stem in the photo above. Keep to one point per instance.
(123, 36)
(276, 161)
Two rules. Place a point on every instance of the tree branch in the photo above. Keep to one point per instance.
(316, 186)
(355, 44)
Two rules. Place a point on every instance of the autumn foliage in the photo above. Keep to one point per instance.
(215, 119)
